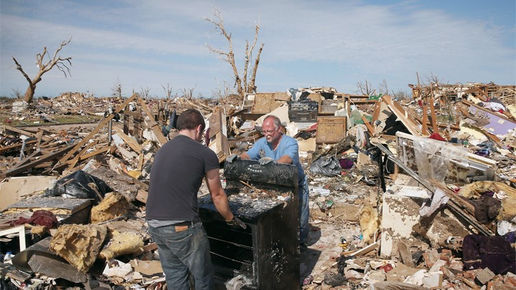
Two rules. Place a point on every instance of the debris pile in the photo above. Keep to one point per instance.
(413, 194)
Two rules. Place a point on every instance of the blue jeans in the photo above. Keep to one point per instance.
(304, 211)
(184, 252)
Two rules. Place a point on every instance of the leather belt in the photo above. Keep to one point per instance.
(187, 223)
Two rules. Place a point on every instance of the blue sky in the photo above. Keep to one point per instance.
(150, 44)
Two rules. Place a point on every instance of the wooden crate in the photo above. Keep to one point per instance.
(330, 129)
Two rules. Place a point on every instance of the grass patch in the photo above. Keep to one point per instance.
(53, 120)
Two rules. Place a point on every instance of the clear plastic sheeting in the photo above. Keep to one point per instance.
(433, 158)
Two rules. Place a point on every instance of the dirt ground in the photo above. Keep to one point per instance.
(324, 247)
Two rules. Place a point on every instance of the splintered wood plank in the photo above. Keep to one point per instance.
(140, 161)
(42, 159)
(39, 137)
(376, 113)
(17, 145)
(26, 133)
(26, 160)
(128, 140)
(425, 118)
(402, 115)
(97, 152)
(369, 127)
(74, 161)
(99, 126)
(156, 128)
(435, 128)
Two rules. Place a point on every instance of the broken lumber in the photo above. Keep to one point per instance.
(99, 126)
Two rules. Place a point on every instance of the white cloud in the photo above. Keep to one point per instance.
(335, 42)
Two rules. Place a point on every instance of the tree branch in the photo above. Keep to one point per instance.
(252, 85)
(246, 65)
(230, 56)
(19, 67)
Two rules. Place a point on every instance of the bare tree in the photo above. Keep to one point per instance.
(17, 93)
(56, 61)
(117, 89)
(402, 95)
(434, 80)
(365, 88)
(245, 83)
(188, 93)
(223, 90)
(383, 88)
(168, 91)
(144, 93)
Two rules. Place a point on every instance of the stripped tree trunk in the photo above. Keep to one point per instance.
(56, 61)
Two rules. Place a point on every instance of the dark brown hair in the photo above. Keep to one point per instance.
(190, 119)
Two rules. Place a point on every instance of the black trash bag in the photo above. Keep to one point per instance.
(80, 185)
(327, 166)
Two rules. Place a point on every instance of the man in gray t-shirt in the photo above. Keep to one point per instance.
(171, 210)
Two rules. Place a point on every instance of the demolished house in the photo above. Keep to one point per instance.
(404, 194)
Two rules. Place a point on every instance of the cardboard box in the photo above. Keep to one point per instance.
(330, 129)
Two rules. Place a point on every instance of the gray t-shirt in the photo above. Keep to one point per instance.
(176, 176)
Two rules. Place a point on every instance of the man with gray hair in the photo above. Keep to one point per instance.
(280, 148)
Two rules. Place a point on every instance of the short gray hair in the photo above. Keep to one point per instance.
(276, 120)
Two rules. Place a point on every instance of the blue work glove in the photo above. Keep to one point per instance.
(265, 160)
(231, 158)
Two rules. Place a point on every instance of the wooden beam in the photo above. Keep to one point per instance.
(425, 119)
(91, 154)
(74, 161)
(369, 127)
(156, 128)
(26, 133)
(140, 162)
(99, 126)
(17, 145)
(26, 160)
(42, 159)
(435, 128)
(128, 140)
(458, 200)
(376, 113)
(39, 137)
(402, 115)
(453, 127)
